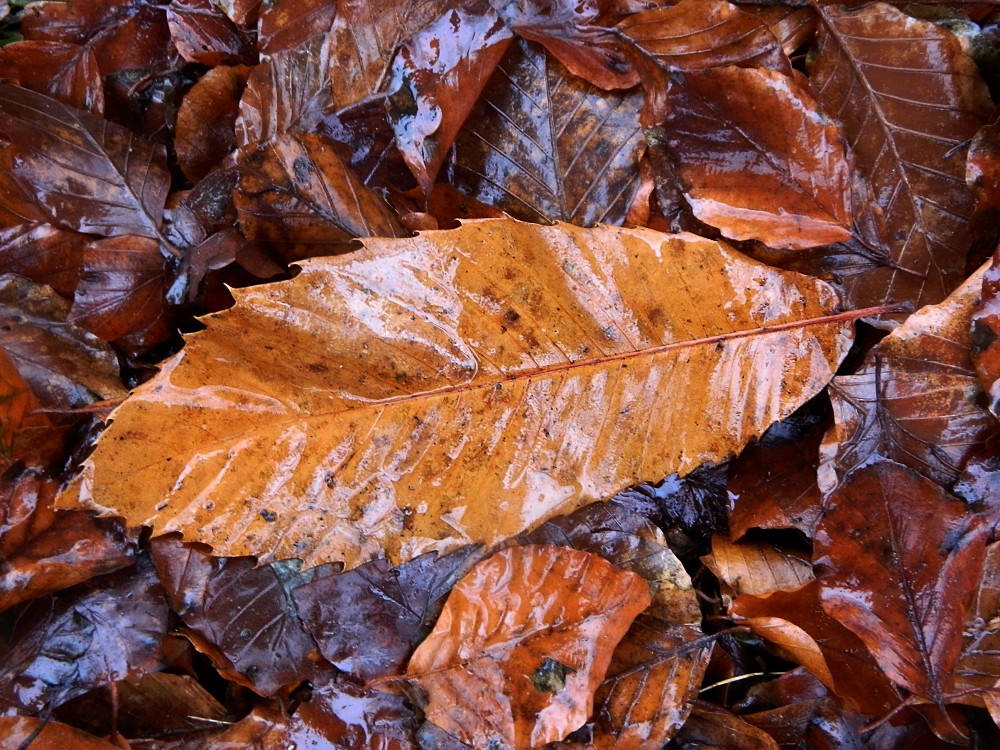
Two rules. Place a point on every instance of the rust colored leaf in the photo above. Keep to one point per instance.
(46, 735)
(982, 167)
(17, 407)
(104, 630)
(915, 400)
(694, 35)
(87, 174)
(654, 676)
(908, 97)
(241, 615)
(286, 24)
(44, 254)
(544, 146)
(298, 197)
(369, 620)
(709, 727)
(902, 560)
(978, 667)
(984, 343)
(500, 360)
(761, 162)
(437, 76)
(66, 72)
(206, 119)
(792, 27)
(204, 34)
(243, 13)
(755, 568)
(522, 644)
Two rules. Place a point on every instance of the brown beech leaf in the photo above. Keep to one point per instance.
(16, 731)
(756, 568)
(286, 24)
(104, 630)
(982, 167)
(533, 365)
(985, 339)
(437, 76)
(522, 644)
(44, 254)
(368, 620)
(654, 676)
(204, 34)
(978, 667)
(67, 72)
(545, 146)
(710, 727)
(908, 96)
(25, 434)
(87, 174)
(915, 400)
(792, 27)
(694, 35)
(902, 560)
(241, 615)
(206, 119)
(761, 162)
(299, 198)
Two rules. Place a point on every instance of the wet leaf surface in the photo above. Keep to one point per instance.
(711, 727)
(17, 730)
(67, 72)
(203, 34)
(44, 254)
(984, 343)
(755, 568)
(514, 333)
(979, 663)
(523, 641)
(206, 119)
(286, 24)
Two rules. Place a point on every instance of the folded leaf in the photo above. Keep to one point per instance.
(459, 386)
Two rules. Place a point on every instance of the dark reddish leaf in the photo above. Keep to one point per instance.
(124, 35)
(368, 620)
(985, 339)
(901, 560)
(67, 72)
(243, 13)
(25, 434)
(523, 641)
(654, 676)
(792, 27)
(45, 254)
(206, 119)
(241, 615)
(756, 568)
(16, 731)
(17, 199)
(106, 629)
(286, 24)
(709, 727)
(915, 400)
(982, 167)
(545, 146)
(978, 667)
(120, 294)
(761, 162)
(203, 34)
(87, 174)
(694, 35)
(908, 96)
(437, 76)
(298, 197)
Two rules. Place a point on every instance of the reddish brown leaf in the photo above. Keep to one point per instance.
(761, 162)
(901, 561)
(286, 24)
(654, 676)
(17, 404)
(243, 13)
(545, 146)
(67, 72)
(984, 342)
(204, 34)
(710, 727)
(755, 568)
(694, 35)
(792, 27)
(104, 630)
(978, 667)
(241, 615)
(982, 167)
(298, 197)
(15, 731)
(523, 641)
(915, 400)
(44, 254)
(206, 119)
(87, 174)
(437, 78)
(369, 620)
(908, 97)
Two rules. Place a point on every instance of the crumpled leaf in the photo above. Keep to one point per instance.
(545, 146)
(523, 641)
(104, 630)
(756, 568)
(761, 162)
(499, 360)
(901, 560)
(908, 97)
(915, 400)
(67, 72)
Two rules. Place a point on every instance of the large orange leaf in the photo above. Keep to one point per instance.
(522, 644)
(461, 385)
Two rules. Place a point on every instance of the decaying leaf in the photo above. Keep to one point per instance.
(755, 568)
(539, 367)
(523, 641)
(978, 667)
(985, 339)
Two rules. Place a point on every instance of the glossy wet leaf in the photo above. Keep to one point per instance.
(500, 360)
(67, 72)
(756, 568)
(901, 561)
(44, 254)
(908, 97)
(26, 434)
(297, 196)
(545, 146)
(916, 399)
(369, 620)
(203, 34)
(984, 345)
(523, 641)
(286, 24)
(206, 119)
(87, 174)
(762, 162)
(46, 735)
(710, 727)
(978, 666)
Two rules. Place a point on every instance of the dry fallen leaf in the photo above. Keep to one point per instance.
(374, 401)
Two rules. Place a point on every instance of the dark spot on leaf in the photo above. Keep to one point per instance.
(269, 516)
(550, 676)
